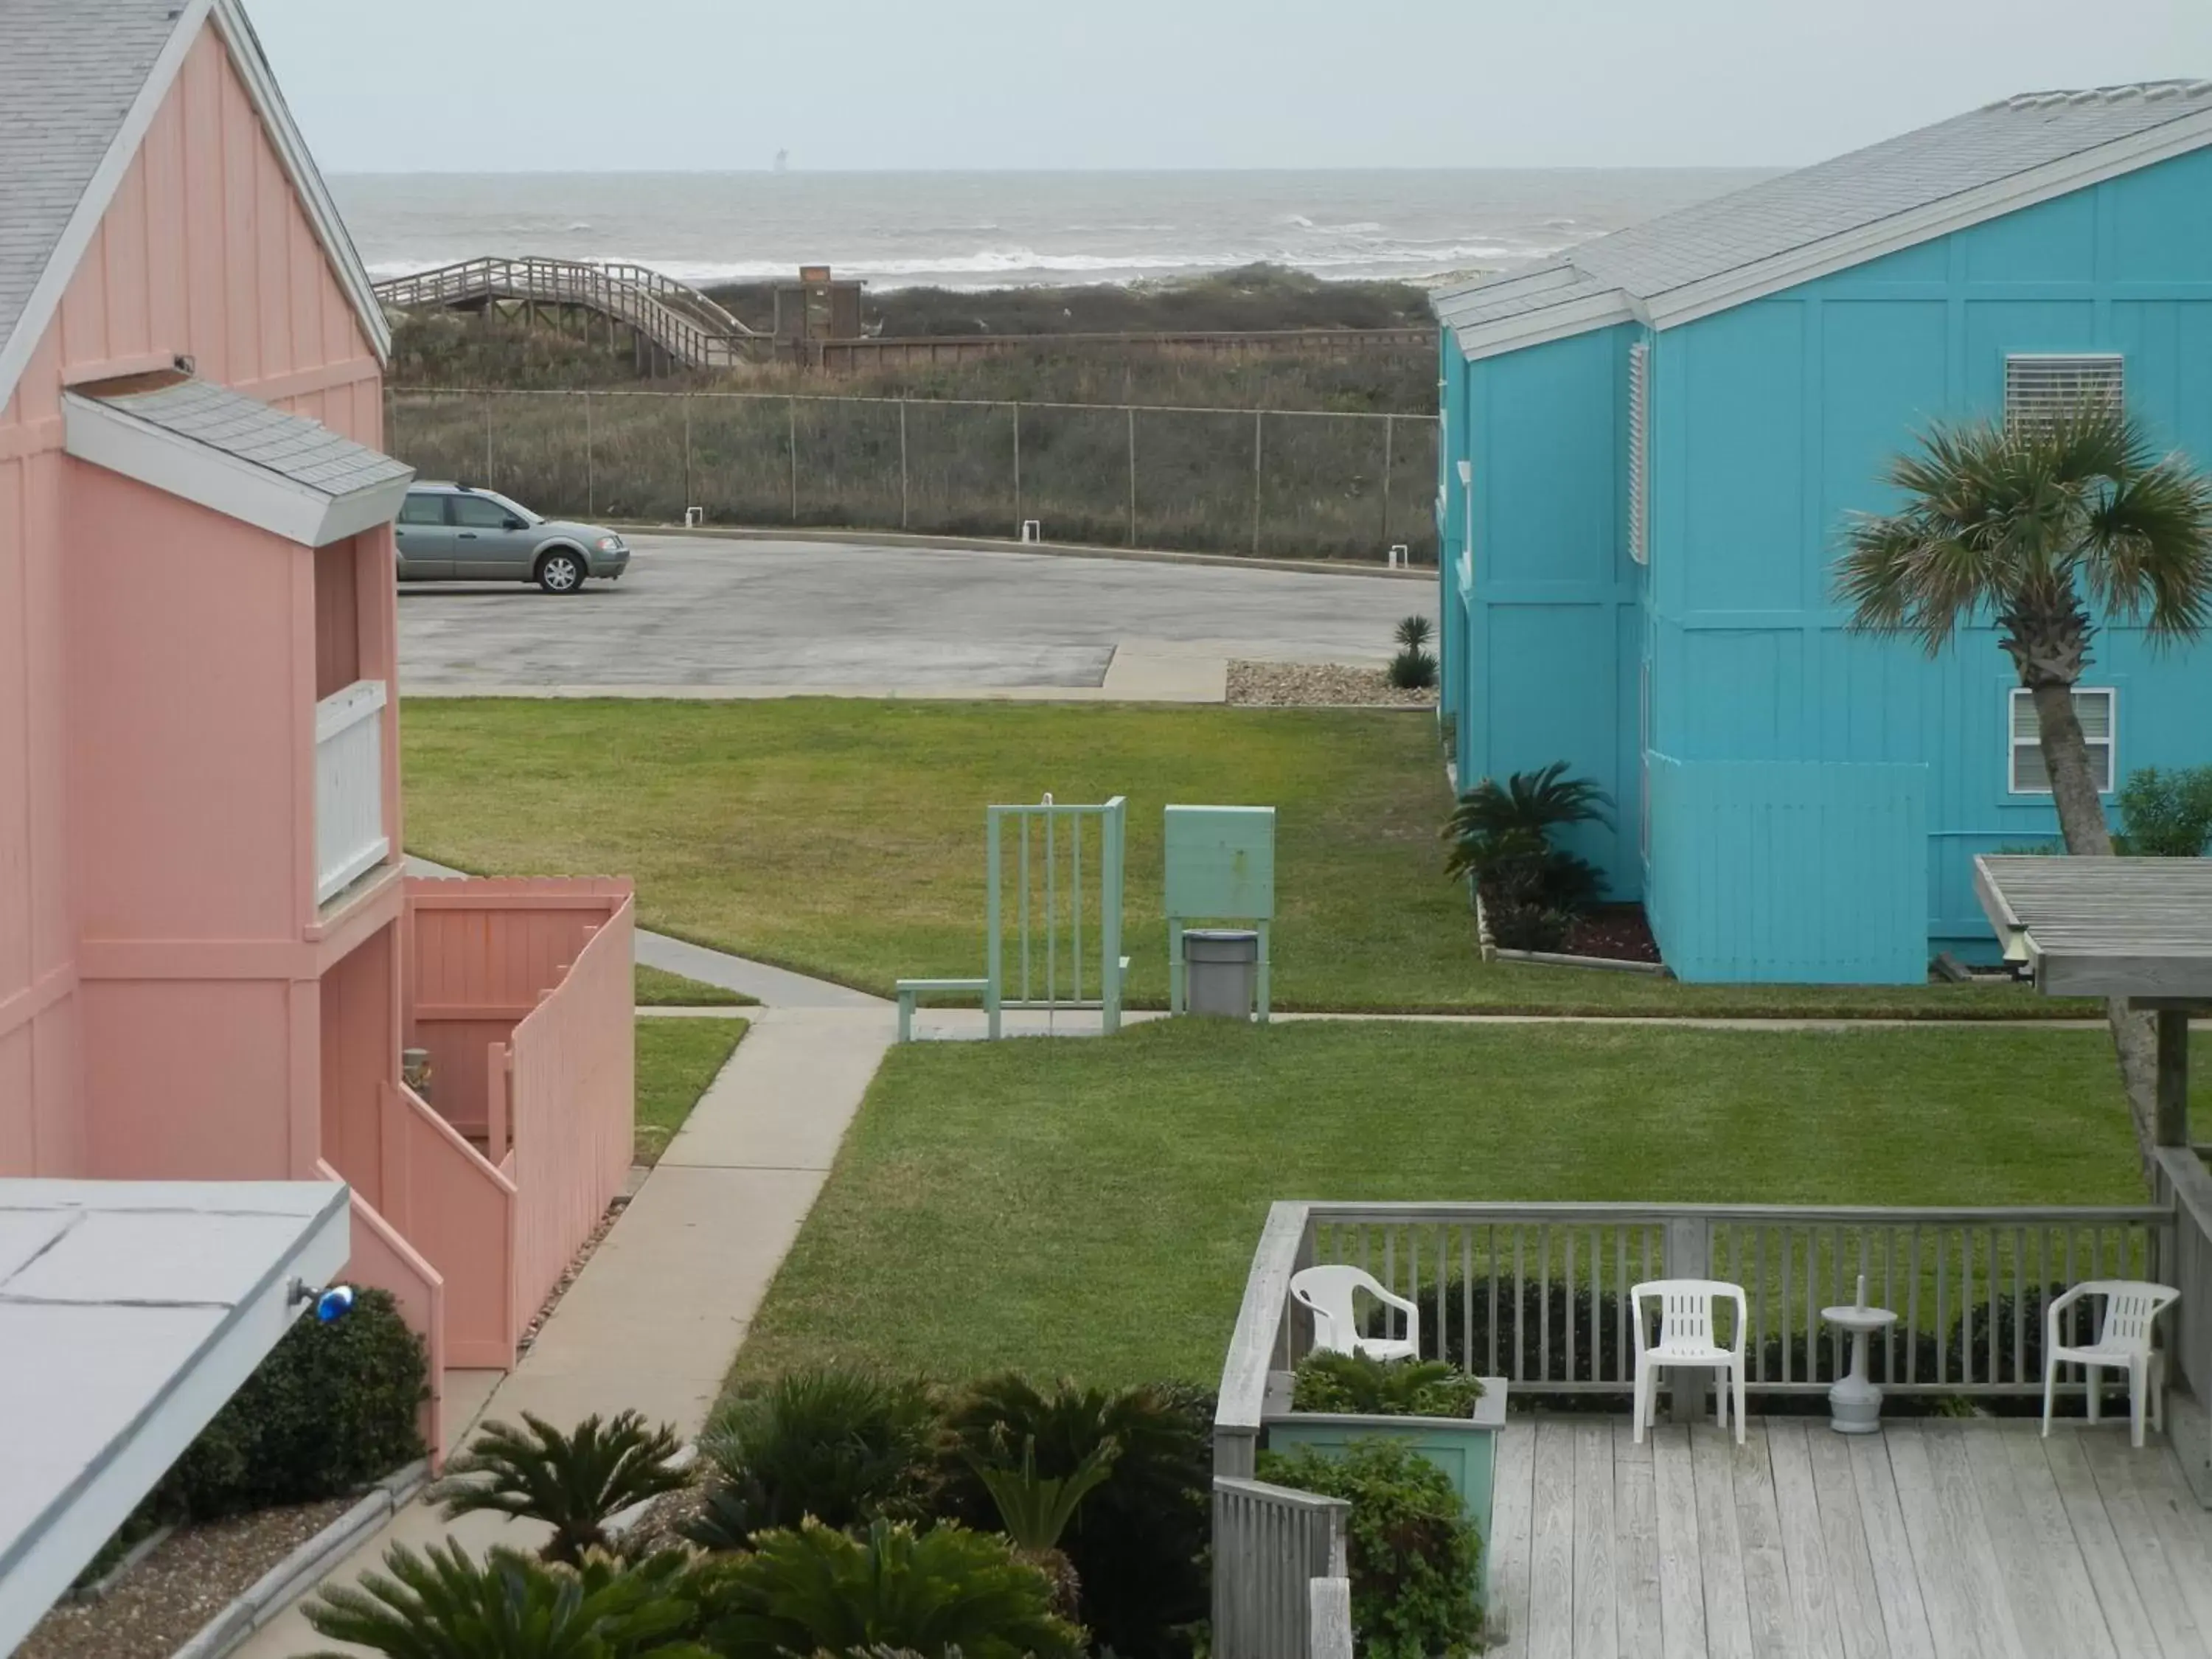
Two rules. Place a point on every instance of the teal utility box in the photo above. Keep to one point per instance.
(1220, 867)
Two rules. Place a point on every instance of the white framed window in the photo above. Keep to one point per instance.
(2039, 385)
(2096, 708)
(1639, 400)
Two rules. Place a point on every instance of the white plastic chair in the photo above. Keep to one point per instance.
(2123, 1343)
(1327, 1292)
(1686, 1339)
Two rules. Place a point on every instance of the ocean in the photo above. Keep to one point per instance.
(976, 230)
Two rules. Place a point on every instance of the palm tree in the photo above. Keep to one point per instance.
(2034, 522)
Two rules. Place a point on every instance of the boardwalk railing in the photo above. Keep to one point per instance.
(1270, 1543)
(692, 329)
(1538, 1293)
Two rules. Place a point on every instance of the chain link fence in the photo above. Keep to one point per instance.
(1297, 483)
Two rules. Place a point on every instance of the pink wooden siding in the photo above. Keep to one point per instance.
(112, 608)
(572, 1108)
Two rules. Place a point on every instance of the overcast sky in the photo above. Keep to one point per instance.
(618, 85)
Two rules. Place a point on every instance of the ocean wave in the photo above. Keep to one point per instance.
(1016, 266)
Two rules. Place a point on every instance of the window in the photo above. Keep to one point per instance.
(480, 513)
(2094, 708)
(1639, 382)
(2039, 387)
(420, 508)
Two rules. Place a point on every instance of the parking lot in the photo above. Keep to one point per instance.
(701, 617)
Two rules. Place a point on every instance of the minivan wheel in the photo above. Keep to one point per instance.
(560, 572)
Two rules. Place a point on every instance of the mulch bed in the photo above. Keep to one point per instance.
(162, 1602)
(1618, 931)
(1302, 684)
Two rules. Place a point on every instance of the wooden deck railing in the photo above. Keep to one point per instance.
(1270, 1543)
(350, 838)
(1538, 1293)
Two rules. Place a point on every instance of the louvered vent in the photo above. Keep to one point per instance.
(1639, 394)
(2040, 389)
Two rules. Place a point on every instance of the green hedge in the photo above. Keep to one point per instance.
(331, 1409)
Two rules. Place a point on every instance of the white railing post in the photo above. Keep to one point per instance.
(350, 838)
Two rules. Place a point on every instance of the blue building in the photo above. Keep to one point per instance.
(1649, 450)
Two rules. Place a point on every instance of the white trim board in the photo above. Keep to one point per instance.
(1759, 278)
(43, 304)
(105, 436)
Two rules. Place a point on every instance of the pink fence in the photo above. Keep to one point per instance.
(459, 1212)
(380, 1258)
(572, 1108)
(520, 992)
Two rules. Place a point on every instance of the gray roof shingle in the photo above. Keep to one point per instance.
(1852, 193)
(290, 446)
(70, 70)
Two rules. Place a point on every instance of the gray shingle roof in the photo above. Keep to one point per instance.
(291, 445)
(1854, 192)
(70, 70)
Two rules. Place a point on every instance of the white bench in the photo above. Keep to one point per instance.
(911, 991)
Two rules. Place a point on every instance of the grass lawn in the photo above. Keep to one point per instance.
(676, 1058)
(845, 838)
(658, 988)
(1090, 1208)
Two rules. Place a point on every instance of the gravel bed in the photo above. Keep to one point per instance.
(163, 1600)
(1300, 684)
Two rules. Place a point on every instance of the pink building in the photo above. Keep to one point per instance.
(209, 959)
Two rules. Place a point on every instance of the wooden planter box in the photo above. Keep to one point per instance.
(1465, 1448)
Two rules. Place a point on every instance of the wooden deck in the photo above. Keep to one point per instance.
(1934, 1540)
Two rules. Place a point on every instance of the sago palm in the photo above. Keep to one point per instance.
(2043, 526)
(442, 1605)
(574, 1483)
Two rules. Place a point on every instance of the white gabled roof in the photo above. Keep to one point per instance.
(290, 476)
(129, 1311)
(1790, 229)
(81, 81)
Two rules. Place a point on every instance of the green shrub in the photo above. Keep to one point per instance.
(442, 1605)
(1413, 633)
(843, 1446)
(2167, 814)
(574, 1483)
(1413, 668)
(1411, 1549)
(1329, 1382)
(1138, 1542)
(332, 1408)
(818, 1590)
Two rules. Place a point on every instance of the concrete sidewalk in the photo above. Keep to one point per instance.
(655, 1317)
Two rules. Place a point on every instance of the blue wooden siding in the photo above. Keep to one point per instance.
(1450, 516)
(1544, 665)
(1789, 872)
(1772, 422)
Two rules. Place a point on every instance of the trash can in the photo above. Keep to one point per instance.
(1221, 971)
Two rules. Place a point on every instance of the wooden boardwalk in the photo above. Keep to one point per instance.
(1934, 1540)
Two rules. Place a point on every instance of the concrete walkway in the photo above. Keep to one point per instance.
(655, 1317)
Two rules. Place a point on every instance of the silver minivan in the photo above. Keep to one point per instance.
(456, 532)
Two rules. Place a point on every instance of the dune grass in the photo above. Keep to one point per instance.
(1090, 1208)
(844, 838)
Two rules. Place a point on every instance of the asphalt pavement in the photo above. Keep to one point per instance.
(703, 617)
